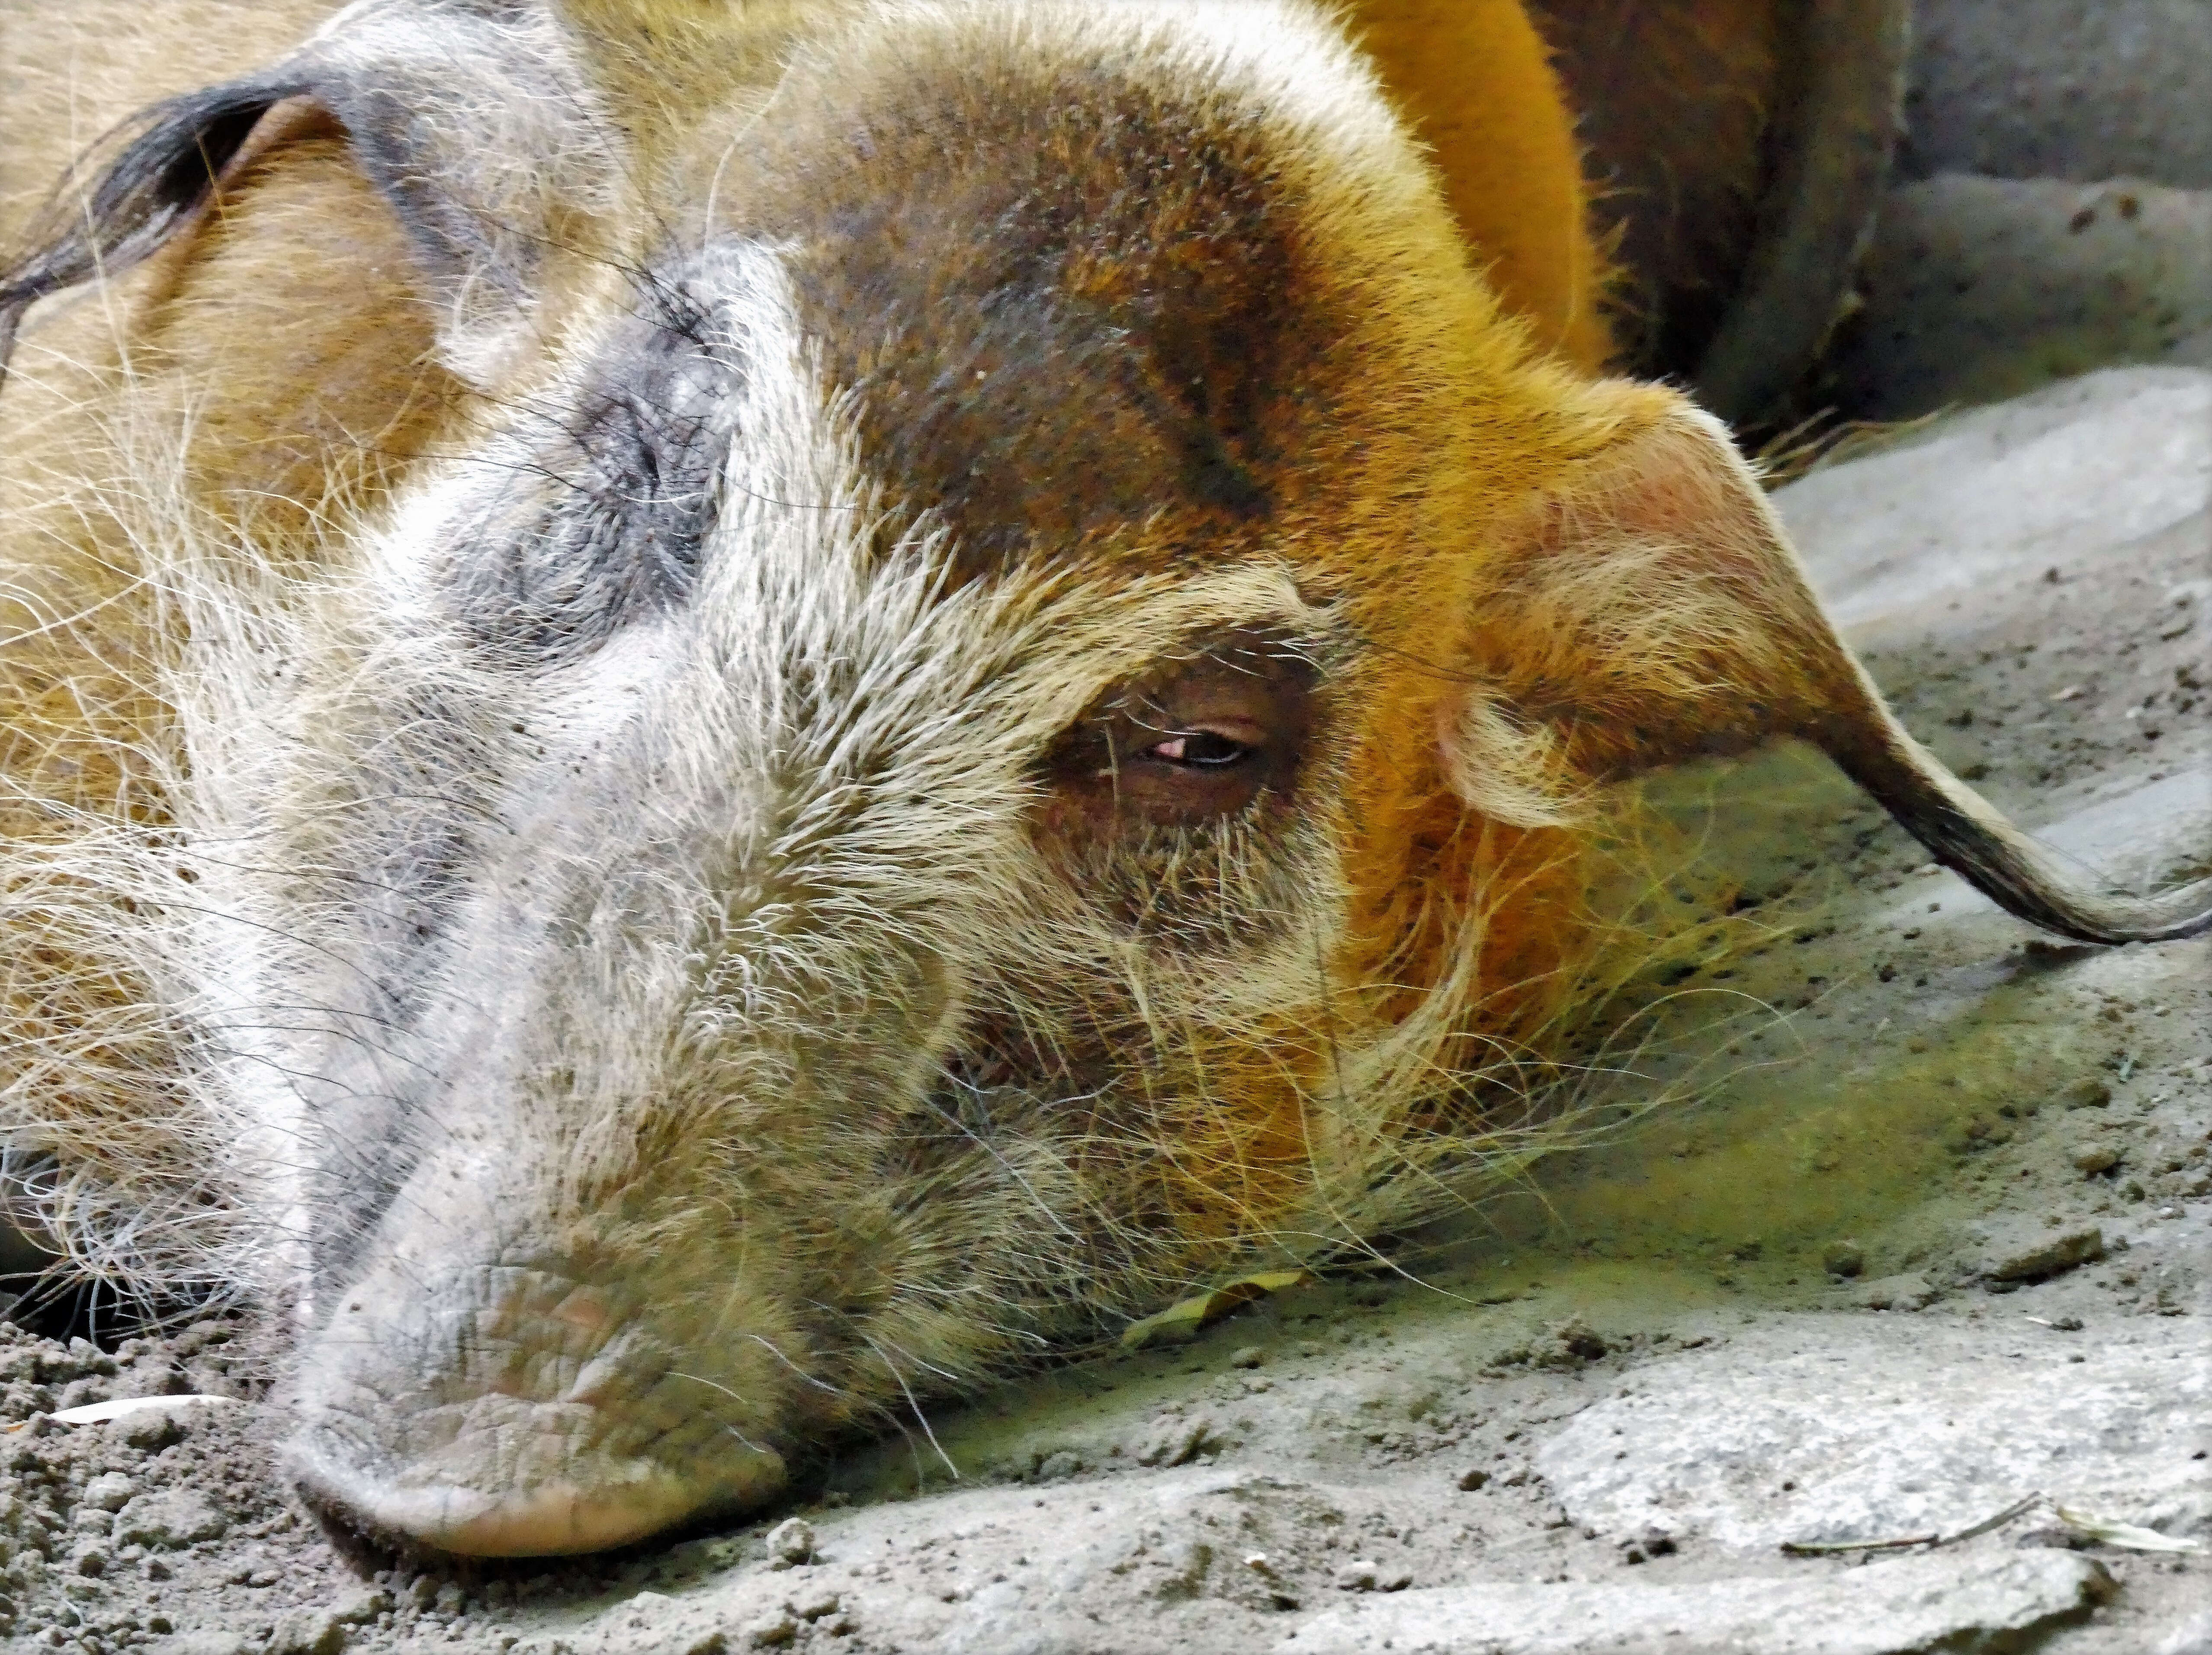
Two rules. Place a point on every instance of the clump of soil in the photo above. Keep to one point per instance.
(98, 1522)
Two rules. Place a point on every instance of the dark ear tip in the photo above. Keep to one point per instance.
(182, 146)
(132, 190)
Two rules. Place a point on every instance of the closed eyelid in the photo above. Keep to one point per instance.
(1236, 727)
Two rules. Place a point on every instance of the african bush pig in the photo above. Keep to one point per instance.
(717, 712)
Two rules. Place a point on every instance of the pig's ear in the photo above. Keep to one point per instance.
(473, 118)
(1649, 608)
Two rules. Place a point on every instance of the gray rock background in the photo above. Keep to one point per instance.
(2053, 211)
(2076, 89)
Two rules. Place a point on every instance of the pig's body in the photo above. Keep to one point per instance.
(716, 713)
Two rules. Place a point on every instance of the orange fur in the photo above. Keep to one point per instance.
(1474, 81)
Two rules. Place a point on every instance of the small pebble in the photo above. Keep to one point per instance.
(308, 1631)
(1176, 1442)
(2036, 1258)
(110, 1491)
(1907, 1291)
(1652, 1542)
(361, 1606)
(1578, 1340)
(772, 1632)
(1361, 1575)
(791, 1542)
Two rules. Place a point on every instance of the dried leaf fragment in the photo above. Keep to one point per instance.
(1185, 1319)
(2109, 1531)
(94, 1413)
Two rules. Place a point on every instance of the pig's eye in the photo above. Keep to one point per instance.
(1213, 733)
(1206, 749)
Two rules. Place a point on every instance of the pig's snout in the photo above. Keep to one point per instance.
(510, 1411)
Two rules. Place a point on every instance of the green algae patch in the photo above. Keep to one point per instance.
(1790, 1159)
(1819, 1089)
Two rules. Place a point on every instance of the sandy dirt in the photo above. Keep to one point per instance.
(1925, 1231)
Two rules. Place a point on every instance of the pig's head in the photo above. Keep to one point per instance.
(992, 708)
